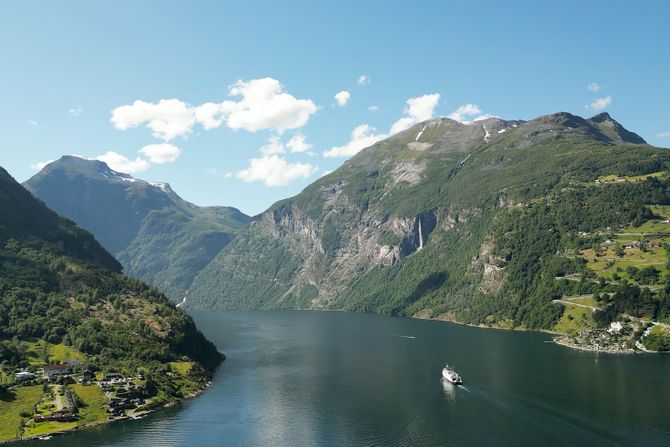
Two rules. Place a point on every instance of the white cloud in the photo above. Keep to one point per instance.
(466, 110)
(263, 104)
(75, 111)
(342, 98)
(296, 144)
(363, 79)
(600, 103)
(663, 134)
(40, 165)
(361, 137)
(325, 173)
(161, 153)
(593, 87)
(169, 118)
(373, 109)
(33, 123)
(274, 170)
(121, 163)
(418, 109)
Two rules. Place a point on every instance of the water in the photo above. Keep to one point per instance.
(330, 378)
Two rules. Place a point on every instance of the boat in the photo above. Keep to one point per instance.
(452, 376)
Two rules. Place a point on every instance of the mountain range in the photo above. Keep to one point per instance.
(156, 235)
(477, 222)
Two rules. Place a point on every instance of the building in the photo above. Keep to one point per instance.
(22, 376)
(52, 372)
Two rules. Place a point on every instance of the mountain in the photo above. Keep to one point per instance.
(62, 298)
(470, 222)
(158, 237)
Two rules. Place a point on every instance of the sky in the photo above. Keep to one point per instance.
(246, 103)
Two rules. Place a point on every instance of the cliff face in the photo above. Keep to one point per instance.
(412, 225)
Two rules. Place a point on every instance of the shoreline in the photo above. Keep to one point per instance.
(142, 415)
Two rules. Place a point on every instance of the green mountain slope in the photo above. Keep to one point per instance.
(471, 222)
(158, 237)
(57, 282)
(62, 297)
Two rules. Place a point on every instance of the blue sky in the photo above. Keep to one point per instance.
(269, 73)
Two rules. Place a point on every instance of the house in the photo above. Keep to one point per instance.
(113, 377)
(53, 371)
(87, 375)
(22, 376)
(666, 220)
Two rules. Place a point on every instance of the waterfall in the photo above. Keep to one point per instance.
(420, 236)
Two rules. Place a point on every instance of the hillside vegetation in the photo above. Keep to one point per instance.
(62, 299)
(479, 223)
(158, 237)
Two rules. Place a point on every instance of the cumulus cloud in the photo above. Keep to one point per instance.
(464, 111)
(168, 118)
(121, 163)
(342, 98)
(274, 170)
(75, 111)
(161, 153)
(262, 104)
(663, 134)
(297, 143)
(33, 123)
(40, 165)
(373, 109)
(600, 103)
(593, 87)
(361, 137)
(418, 109)
(363, 79)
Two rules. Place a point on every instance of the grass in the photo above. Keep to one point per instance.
(12, 404)
(631, 178)
(635, 257)
(57, 353)
(574, 320)
(93, 409)
(44, 428)
(182, 368)
(582, 299)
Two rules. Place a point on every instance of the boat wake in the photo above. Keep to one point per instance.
(411, 337)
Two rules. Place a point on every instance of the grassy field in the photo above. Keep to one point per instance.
(182, 368)
(93, 409)
(574, 320)
(583, 299)
(12, 405)
(631, 178)
(95, 403)
(608, 263)
(56, 353)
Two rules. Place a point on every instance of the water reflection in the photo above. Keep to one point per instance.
(449, 390)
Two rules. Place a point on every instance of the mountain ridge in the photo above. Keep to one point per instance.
(157, 236)
(409, 225)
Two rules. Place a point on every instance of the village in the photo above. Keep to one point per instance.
(68, 395)
(125, 397)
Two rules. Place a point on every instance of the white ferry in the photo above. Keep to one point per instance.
(452, 376)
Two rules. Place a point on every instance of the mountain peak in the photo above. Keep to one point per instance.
(615, 131)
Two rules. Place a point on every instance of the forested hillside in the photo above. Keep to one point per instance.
(158, 237)
(478, 222)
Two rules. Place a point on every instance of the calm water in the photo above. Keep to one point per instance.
(311, 378)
